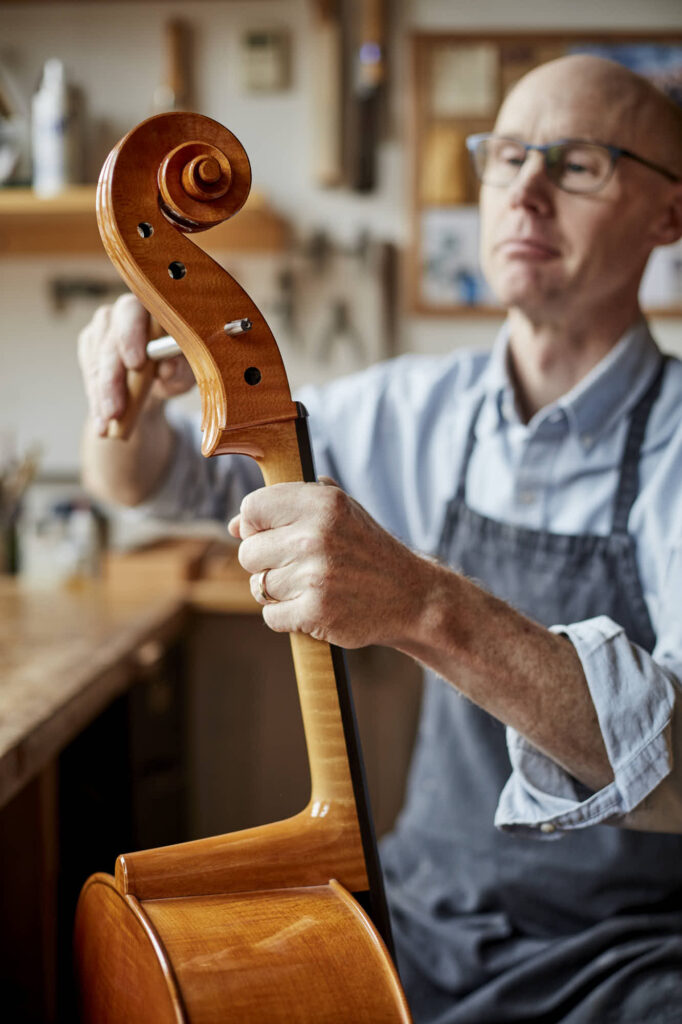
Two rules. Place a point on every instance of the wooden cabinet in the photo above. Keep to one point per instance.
(119, 785)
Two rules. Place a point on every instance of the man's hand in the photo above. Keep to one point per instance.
(115, 340)
(111, 344)
(332, 571)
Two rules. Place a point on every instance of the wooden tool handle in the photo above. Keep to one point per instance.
(139, 384)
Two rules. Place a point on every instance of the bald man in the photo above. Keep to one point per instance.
(520, 534)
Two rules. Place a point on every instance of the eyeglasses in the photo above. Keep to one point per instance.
(574, 165)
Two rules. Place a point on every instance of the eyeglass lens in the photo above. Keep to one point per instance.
(573, 166)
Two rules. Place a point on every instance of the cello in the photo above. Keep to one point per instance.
(285, 922)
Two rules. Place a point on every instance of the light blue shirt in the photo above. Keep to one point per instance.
(393, 436)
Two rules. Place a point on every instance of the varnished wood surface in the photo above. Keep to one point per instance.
(306, 849)
(126, 974)
(66, 651)
(193, 305)
(288, 956)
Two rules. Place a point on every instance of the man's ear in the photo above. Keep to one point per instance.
(667, 227)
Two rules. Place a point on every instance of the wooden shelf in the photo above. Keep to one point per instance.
(65, 224)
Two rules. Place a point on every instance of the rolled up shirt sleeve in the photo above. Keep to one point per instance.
(635, 700)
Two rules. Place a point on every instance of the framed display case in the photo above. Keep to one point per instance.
(459, 82)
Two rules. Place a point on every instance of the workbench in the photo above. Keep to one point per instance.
(66, 652)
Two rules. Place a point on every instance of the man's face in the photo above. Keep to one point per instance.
(552, 253)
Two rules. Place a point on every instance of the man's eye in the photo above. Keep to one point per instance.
(513, 157)
(581, 163)
(573, 167)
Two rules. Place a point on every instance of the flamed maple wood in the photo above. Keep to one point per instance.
(259, 925)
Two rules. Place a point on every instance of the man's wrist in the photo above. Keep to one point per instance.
(434, 592)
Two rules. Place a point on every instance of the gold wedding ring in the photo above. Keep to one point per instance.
(263, 590)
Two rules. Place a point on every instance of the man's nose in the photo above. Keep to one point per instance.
(531, 187)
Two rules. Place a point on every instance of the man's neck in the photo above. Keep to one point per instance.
(548, 359)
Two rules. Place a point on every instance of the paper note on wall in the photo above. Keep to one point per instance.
(464, 81)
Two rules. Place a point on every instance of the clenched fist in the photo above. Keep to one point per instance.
(331, 570)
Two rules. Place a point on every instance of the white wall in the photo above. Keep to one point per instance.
(113, 51)
(609, 15)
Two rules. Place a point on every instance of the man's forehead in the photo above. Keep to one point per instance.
(559, 102)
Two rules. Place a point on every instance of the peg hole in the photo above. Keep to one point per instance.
(176, 269)
(252, 376)
(145, 229)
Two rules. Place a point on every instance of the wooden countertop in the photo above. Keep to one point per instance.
(66, 652)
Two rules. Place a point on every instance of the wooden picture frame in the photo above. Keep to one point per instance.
(458, 83)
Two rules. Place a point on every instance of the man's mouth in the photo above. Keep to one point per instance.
(528, 248)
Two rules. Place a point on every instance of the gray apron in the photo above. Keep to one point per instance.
(492, 927)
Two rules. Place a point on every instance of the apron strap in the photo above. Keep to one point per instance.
(471, 441)
(628, 484)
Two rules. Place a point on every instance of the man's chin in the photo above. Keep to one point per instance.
(529, 296)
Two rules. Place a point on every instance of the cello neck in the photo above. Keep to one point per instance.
(372, 899)
(339, 797)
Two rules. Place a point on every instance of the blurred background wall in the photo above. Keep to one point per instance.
(324, 291)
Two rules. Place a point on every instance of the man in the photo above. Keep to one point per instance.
(535, 873)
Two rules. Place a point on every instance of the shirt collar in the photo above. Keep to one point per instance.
(608, 392)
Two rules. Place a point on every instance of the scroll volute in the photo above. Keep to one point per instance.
(172, 175)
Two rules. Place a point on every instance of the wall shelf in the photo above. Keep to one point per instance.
(65, 224)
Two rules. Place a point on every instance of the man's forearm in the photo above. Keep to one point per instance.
(128, 472)
(515, 669)
(338, 576)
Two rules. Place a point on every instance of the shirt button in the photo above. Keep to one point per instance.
(587, 440)
(547, 827)
(527, 497)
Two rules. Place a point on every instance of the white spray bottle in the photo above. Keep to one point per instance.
(53, 132)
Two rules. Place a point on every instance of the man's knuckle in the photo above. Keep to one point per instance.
(245, 556)
(318, 579)
(307, 545)
(334, 501)
(246, 509)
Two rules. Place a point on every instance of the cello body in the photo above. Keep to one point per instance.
(285, 922)
(283, 956)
